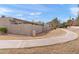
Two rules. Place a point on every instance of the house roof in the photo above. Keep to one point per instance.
(23, 21)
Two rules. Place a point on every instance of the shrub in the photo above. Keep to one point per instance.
(63, 25)
(3, 29)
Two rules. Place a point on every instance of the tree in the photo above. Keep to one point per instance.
(77, 20)
(69, 22)
(63, 25)
(2, 16)
(55, 23)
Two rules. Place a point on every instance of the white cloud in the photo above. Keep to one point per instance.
(4, 10)
(19, 15)
(74, 10)
(35, 13)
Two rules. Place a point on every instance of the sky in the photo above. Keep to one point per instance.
(39, 12)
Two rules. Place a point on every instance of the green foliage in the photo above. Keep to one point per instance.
(69, 22)
(77, 20)
(3, 29)
(55, 23)
(64, 25)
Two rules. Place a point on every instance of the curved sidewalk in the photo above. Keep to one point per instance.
(39, 42)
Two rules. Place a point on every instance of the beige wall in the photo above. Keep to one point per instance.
(21, 28)
(24, 28)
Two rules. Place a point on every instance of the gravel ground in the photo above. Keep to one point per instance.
(71, 47)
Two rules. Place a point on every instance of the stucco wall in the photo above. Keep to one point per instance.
(24, 28)
(21, 28)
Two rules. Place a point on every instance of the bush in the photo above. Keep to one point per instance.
(3, 29)
(63, 25)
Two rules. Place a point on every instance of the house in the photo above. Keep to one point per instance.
(18, 26)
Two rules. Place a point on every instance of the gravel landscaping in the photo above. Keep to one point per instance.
(68, 47)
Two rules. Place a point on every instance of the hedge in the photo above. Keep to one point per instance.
(3, 29)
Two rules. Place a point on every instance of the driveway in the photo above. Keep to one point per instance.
(39, 42)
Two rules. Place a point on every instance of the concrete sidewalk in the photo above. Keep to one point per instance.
(39, 42)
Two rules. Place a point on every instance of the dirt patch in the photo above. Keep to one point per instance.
(53, 33)
(68, 47)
